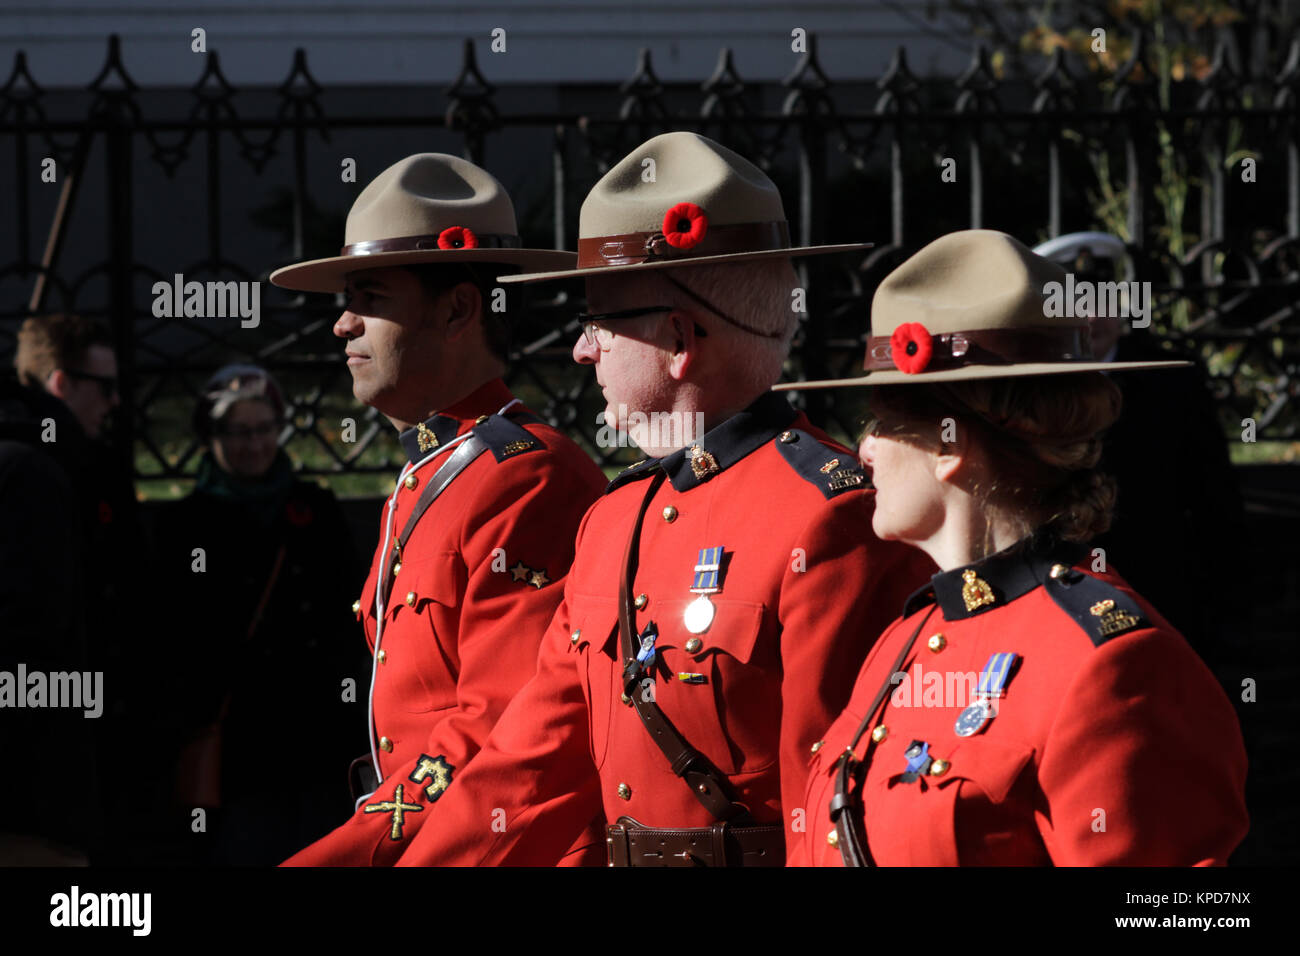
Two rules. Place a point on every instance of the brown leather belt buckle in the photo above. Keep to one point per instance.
(631, 844)
(616, 844)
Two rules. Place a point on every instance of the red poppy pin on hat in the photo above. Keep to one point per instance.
(430, 207)
(910, 347)
(685, 225)
(704, 205)
(457, 237)
(972, 304)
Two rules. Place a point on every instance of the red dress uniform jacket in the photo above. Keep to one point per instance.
(1113, 743)
(474, 589)
(803, 582)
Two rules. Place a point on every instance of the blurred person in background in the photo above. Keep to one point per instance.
(261, 624)
(1177, 492)
(72, 552)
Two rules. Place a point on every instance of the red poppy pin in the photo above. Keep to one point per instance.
(685, 225)
(298, 513)
(910, 347)
(457, 237)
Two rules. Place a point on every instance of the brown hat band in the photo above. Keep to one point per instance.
(907, 350)
(419, 243)
(632, 248)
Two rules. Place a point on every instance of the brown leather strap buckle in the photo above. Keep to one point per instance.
(634, 248)
(616, 845)
(630, 844)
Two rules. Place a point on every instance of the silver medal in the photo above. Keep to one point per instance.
(972, 720)
(699, 614)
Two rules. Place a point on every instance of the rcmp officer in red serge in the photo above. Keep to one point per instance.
(1028, 707)
(706, 628)
(477, 537)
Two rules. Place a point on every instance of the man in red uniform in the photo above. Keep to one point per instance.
(477, 537)
(723, 591)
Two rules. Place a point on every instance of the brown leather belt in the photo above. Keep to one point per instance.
(631, 844)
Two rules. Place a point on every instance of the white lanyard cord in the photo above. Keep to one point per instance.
(407, 469)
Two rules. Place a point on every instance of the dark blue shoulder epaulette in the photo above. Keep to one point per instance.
(507, 438)
(631, 473)
(833, 472)
(1100, 609)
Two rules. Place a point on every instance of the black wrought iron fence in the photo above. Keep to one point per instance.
(215, 184)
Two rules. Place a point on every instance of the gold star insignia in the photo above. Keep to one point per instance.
(538, 578)
(520, 571)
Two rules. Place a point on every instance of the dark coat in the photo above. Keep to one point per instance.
(278, 690)
(42, 615)
(1178, 533)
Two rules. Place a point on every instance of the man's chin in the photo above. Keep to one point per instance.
(362, 392)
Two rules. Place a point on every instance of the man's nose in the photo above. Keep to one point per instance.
(584, 353)
(348, 326)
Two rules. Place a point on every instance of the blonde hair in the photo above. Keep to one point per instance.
(1043, 438)
(54, 341)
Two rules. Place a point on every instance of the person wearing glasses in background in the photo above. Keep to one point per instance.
(259, 639)
(71, 550)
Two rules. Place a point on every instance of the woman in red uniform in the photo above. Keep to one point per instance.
(1028, 707)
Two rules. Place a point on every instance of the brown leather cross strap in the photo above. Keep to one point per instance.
(853, 847)
(628, 843)
(990, 347)
(456, 462)
(707, 784)
(460, 459)
(483, 240)
(631, 248)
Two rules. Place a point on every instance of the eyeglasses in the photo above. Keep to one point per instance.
(107, 383)
(244, 434)
(592, 328)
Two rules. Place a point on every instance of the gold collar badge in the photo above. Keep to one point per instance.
(702, 463)
(426, 439)
(976, 591)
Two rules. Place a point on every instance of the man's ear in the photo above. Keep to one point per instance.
(681, 348)
(464, 305)
(57, 383)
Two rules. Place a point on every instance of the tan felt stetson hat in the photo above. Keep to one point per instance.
(680, 199)
(973, 304)
(430, 207)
